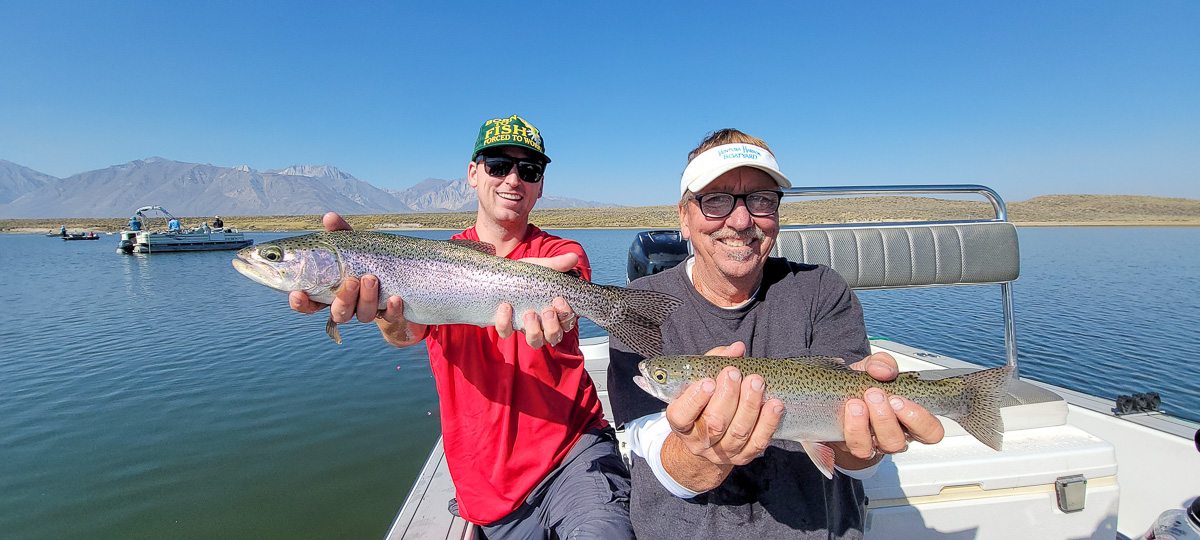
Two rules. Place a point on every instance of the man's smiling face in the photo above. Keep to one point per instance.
(735, 246)
(504, 199)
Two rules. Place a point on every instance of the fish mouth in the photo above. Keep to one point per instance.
(259, 272)
(643, 384)
(643, 381)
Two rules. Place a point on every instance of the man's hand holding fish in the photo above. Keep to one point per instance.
(881, 424)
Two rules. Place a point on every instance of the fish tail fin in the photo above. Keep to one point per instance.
(332, 329)
(637, 318)
(984, 391)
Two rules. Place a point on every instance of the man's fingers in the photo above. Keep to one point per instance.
(551, 326)
(769, 418)
(504, 325)
(889, 436)
(334, 222)
(724, 404)
(736, 348)
(533, 329)
(345, 303)
(856, 427)
(561, 263)
(881, 366)
(922, 426)
(368, 298)
(299, 301)
(566, 315)
(393, 310)
(746, 417)
(684, 412)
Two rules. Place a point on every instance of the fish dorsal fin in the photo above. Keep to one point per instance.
(822, 361)
(476, 245)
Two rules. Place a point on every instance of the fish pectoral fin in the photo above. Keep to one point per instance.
(821, 455)
(332, 330)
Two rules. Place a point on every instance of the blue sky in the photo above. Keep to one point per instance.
(1030, 98)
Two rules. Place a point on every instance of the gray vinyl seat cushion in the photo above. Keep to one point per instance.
(894, 256)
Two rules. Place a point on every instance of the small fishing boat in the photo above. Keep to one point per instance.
(81, 236)
(140, 238)
(1074, 465)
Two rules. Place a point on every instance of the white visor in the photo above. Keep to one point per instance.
(716, 161)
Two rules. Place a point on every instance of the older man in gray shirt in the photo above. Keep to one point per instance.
(707, 467)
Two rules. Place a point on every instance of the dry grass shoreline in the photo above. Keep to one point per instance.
(1046, 211)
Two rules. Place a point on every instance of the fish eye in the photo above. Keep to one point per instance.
(660, 375)
(272, 254)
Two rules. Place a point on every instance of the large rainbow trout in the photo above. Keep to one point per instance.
(449, 282)
(814, 390)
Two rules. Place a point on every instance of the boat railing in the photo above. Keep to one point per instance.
(991, 257)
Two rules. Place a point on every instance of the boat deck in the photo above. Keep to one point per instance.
(425, 514)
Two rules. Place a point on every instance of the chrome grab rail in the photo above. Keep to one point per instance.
(948, 189)
(1010, 332)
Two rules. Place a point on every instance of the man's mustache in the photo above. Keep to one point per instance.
(754, 233)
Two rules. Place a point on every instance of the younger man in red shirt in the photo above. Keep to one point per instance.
(526, 442)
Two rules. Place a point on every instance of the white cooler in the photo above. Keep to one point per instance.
(961, 489)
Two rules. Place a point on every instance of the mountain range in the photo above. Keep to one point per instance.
(192, 189)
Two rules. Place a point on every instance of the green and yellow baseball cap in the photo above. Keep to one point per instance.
(511, 131)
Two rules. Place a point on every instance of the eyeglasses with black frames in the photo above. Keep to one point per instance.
(718, 205)
(500, 166)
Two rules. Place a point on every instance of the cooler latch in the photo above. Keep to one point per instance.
(1071, 491)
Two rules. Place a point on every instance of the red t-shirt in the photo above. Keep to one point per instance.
(510, 413)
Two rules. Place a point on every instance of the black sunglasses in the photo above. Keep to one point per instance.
(500, 166)
(718, 205)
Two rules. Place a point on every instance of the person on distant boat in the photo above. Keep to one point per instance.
(63, 230)
(173, 225)
(706, 466)
(521, 468)
(217, 223)
(135, 224)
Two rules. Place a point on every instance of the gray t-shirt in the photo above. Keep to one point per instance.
(799, 310)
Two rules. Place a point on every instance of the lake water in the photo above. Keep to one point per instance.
(166, 396)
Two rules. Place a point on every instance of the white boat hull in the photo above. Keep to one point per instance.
(161, 242)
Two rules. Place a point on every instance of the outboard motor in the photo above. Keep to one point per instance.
(128, 241)
(1177, 524)
(655, 251)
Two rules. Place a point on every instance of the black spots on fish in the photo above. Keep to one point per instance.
(829, 362)
(482, 247)
(637, 318)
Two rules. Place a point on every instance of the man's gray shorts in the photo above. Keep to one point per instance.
(587, 496)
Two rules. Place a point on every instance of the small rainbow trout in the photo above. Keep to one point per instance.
(449, 282)
(814, 390)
